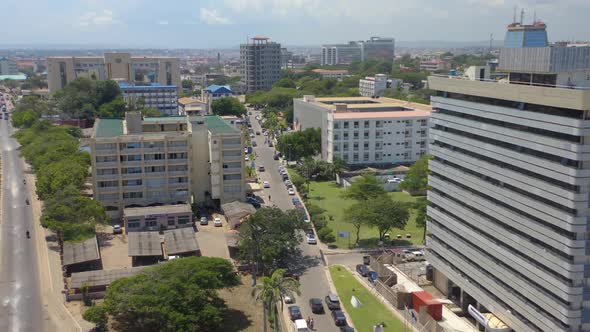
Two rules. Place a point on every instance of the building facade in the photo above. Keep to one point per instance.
(140, 70)
(332, 73)
(434, 65)
(376, 48)
(161, 97)
(260, 64)
(139, 161)
(372, 86)
(8, 67)
(508, 204)
(363, 131)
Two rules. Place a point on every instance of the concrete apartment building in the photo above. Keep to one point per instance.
(372, 86)
(332, 73)
(376, 48)
(362, 130)
(161, 97)
(260, 64)
(138, 162)
(510, 184)
(141, 70)
(434, 65)
(8, 67)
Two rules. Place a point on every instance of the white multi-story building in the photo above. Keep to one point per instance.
(166, 160)
(8, 67)
(332, 73)
(161, 97)
(376, 48)
(372, 86)
(510, 190)
(141, 70)
(361, 130)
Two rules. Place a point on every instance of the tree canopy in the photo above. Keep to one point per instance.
(228, 106)
(364, 188)
(179, 295)
(273, 289)
(82, 98)
(416, 180)
(300, 144)
(387, 214)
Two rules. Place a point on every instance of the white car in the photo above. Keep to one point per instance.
(288, 182)
(311, 238)
(246, 158)
(266, 184)
(217, 222)
(291, 191)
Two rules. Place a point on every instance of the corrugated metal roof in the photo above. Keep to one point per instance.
(179, 241)
(80, 252)
(217, 125)
(158, 210)
(144, 244)
(108, 127)
(101, 277)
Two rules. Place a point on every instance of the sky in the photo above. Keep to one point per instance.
(226, 23)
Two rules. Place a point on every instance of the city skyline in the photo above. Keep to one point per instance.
(227, 23)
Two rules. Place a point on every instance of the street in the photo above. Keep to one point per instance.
(20, 294)
(314, 282)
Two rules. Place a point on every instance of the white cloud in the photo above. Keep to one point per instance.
(162, 22)
(212, 17)
(104, 17)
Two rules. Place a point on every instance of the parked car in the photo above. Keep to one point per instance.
(332, 301)
(117, 229)
(257, 133)
(339, 318)
(275, 157)
(316, 305)
(266, 184)
(310, 237)
(288, 299)
(246, 158)
(254, 143)
(204, 221)
(296, 201)
(261, 168)
(363, 270)
(346, 329)
(254, 201)
(291, 191)
(294, 312)
(217, 222)
(288, 182)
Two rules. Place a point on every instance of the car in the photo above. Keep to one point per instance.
(332, 301)
(339, 318)
(288, 299)
(117, 229)
(275, 157)
(288, 182)
(316, 305)
(246, 158)
(294, 312)
(290, 274)
(265, 133)
(346, 329)
(296, 201)
(204, 221)
(261, 168)
(256, 202)
(310, 237)
(217, 222)
(254, 144)
(363, 270)
(257, 133)
(266, 184)
(252, 136)
(291, 191)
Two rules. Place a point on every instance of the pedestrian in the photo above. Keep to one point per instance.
(308, 321)
(311, 323)
(269, 197)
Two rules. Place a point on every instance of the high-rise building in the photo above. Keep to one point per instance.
(260, 64)
(522, 35)
(161, 97)
(140, 70)
(509, 199)
(376, 48)
(363, 130)
(166, 160)
(8, 67)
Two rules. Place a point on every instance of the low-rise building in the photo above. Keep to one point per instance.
(213, 92)
(332, 73)
(138, 162)
(161, 97)
(434, 65)
(156, 218)
(372, 86)
(192, 106)
(363, 130)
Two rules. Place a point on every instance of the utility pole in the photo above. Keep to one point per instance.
(491, 40)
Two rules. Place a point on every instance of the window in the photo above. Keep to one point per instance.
(230, 141)
(178, 168)
(336, 137)
(367, 124)
(232, 176)
(171, 221)
(179, 155)
(356, 135)
(345, 147)
(356, 124)
(131, 170)
(345, 135)
(129, 145)
(355, 146)
(106, 171)
(131, 157)
(346, 125)
(366, 134)
(106, 184)
(336, 125)
(131, 195)
(153, 144)
(183, 220)
(106, 159)
(366, 156)
(155, 156)
(232, 165)
(155, 169)
(130, 183)
(151, 222)
(234, 188)
(366, 145)
(181, 179)
(133, 224)
(231, 153)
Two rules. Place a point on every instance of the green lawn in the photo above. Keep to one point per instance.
(370, 312)
(327, 196)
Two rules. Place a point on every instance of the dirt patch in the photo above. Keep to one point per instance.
(113, 249)
(244, 314)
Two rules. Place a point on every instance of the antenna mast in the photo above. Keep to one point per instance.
(534, 16)
(521, 16)
(514, 15)
(491, 40)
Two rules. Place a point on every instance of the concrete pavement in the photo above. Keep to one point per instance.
(314, 282)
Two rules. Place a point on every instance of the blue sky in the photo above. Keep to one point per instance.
(226, 23)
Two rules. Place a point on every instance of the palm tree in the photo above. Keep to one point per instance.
(273, 289)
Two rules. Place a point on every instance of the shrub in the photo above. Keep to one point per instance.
(326, 235)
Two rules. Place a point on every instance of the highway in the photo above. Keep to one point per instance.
(314, 282)
(21, 306)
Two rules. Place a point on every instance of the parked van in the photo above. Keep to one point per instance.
(300, 325)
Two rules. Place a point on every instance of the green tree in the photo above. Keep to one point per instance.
(180, 295)
(228, 106)
(387, 214)
(106, 92)
(358, 215)
(285, 83)
(54, 176)
(97, 314)
(24, 119)
(365, 188)
(113, 109)
(416, 180)
(300, 144)
(270, 237)
(273, 289)
(420, 206)
(150, 112)
(187, 84)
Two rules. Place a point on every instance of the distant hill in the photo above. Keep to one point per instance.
(446, 44)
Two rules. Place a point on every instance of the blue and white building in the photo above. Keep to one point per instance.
(161, 97)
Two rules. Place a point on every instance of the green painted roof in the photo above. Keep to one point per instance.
(217, 125)
(165, 119)
(109, 128)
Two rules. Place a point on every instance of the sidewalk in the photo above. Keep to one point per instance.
(52, 287)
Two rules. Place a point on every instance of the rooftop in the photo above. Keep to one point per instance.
(214, 88)
(80, 252)
(131, 86)
(144, 244)
(217, 125)
(108, 127)
(156, 210)
(330, 71)
(19, 77)
(188, 100)
(101, 277)
(380, 115)
(165, 119)
(179, 241)
(367, 103)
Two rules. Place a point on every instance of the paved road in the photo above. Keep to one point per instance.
(314, 282)
(20, 295)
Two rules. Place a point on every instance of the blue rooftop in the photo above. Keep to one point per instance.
(214, 88)
(127, 85)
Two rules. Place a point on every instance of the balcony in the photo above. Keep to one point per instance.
(131, 163)
(154, 162)
(178, 148)
(106, 164)
(131, 175)
(108, 189)
(106, 152)
(232, 170)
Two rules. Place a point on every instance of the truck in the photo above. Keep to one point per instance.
(300, 325)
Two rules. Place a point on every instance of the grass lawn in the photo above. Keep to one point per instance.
(371, 311)
(327, 196)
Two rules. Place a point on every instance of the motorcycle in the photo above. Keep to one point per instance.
(27, 201)
(28, 235)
